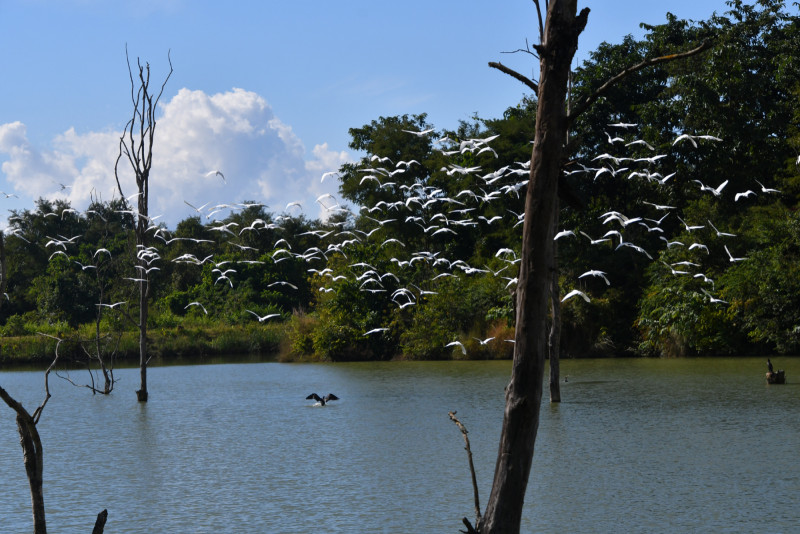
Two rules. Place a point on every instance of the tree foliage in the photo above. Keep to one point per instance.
(411, 245)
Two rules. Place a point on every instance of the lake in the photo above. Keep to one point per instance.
(637, 445)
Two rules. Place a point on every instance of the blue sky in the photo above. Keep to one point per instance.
(264, 91)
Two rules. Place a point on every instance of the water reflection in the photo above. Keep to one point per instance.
(636, 446)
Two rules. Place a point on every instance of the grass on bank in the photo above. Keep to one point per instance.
(300, 338)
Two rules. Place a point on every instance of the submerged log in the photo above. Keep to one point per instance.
(778, 377)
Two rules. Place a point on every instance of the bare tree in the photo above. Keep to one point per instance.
(32, 448)
(32, 451)
(104, 347)
(136, 145)
(554, 341)
(559, 31)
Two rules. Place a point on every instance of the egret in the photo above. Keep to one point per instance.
(101, 305)
(195, 303)
(730, 256)
(459, 344)
(767, 189)
(712, 299)
(690, 228)
(720, 234)
(596, 273)
(575, 292)
(260, 318)
(419, 134)
(376, 330)
(216, 173)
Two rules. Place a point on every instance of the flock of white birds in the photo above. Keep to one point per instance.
(439, 216)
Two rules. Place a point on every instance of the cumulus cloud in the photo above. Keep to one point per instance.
(235, 132)
(30, 171)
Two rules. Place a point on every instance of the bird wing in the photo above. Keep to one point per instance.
(457, 343)
(315, 397)
(573, 293)
(330, 397)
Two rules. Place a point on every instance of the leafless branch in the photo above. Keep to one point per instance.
(463, 430)
(38, 412)
(588, 101)
(140, 154)
(526, 50)
(541, 21)
(516, 75)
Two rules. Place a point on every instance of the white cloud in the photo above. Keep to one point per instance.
(30, 171)
(235, 132)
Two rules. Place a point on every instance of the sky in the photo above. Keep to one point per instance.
(263, 91)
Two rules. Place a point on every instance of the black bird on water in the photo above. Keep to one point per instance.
(769, 365)
(323, 400)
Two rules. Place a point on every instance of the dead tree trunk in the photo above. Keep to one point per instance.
(554, 341)
(32, 456)
(559, 41)
(136, 144)
(32, 448)
(524, 392)
(32, 452)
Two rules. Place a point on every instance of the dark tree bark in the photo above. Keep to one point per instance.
(554, 341)
(33, 454)
(32, 448)
(32, 457)
(559, 42)
(524, 392)
(100, 523)
(136, 145)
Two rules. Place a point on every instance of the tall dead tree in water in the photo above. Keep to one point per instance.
(559, 42)
(559, 30)
(32, 453)
(136, 145)
(32, 449)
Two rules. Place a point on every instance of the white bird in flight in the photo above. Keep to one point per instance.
(375, 331)
(690, 228)
(419, 134)
(713, 299)
(563, 233)
(767, 189)
(195, 303)
(716, 191)
(459, 344)
(596, 273)
(573, 293)
(265, 317)
(216, 173)
(720, 234)
(112, 305)
(732, 258)
(673, 270)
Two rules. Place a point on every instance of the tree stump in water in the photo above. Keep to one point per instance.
(778, 377)
(100, 524)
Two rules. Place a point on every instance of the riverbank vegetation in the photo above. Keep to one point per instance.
(681, 187)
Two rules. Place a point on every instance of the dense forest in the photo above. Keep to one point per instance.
(678, 231)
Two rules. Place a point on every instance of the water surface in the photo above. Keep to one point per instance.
(635, 446)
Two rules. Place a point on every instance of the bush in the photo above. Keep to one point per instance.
(16, 326)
